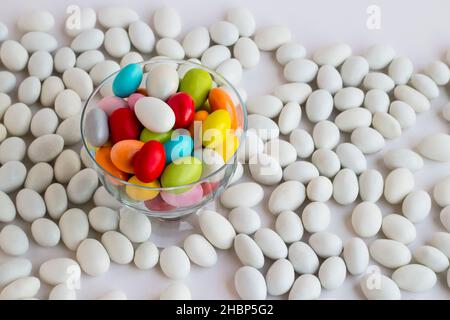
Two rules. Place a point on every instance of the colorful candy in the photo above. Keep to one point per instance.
(124, 125)
(184, 109)
(191, 197)
(197, 83)
(127, 80)
(142, 194)
(182, 171)
(149, 162)
(103, 158)
(123, 152)
(178, 147)
(147, 135)
(219, 99)
(215, 127)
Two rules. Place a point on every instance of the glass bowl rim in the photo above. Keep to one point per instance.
(179, 62)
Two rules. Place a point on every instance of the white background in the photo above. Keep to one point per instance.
(417, 29)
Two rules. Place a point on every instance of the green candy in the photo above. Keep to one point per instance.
(197, 83)
(182, 171)
(147, 135)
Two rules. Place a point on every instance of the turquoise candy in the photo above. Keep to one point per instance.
(127, 81)
(178, 147)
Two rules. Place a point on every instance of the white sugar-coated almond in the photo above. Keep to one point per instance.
(13, 55)
(252, 146)
(435, 147)
(67, 164)
(82, 186)
(289, 226)
(45, 121)
(290, 51)
(116, 16)
(103, 198)
(332, 273)
(265, 169)
(243, 19)
(90, 39)
(345, 187)
(266, 105)
(316, 217)
(387, 125)
(250, 284)
(62, 292)
(378, 80)
(348, 98)
(40, 65)
(289, 117)
(12, 176)
(74, 227)
(13, 269)
(23, 288)
(146, 255)
(326, 135)
(272, 37)
(88, 59)
(17, 119)
(366, 219)
(59, 270)
(130, 58)
(306, 287)
(30, 205)
(328, 78)
(197, 41)
(141, 36)
(64, 59)
(215, 55)
(247, 194)
(200, 251)
(379, 56)
(351, 157)
(319, 105)
(411, 96)
(244, 220)
(36, 21)
(29, 90)
(67, 104)
(271, 243)
(400, 70)
(376, 100)
(79, 81)
(326, 161)
(445, 217)
(431, 258)
(167, 22)
(319, 189)
(248, 251)
(12, 149)
(103, 219)
(87, 20)
(102, 70)
(353, 70)
(441, 241)
(300, 70)
(438, 71)
(350, 119)
(162, 82)
(303, 258)
(92, 257)
(282, 151)
(176, 291)
(367, 139)
(8, 81)
(414, 278)
(425, 85)
(280, 277)
(119, 248)
(325, 244)
(216, 229)
(39, 177)
(8, 212)
(45, 232)
(134, 225)
(224, 33)
(170, 48)
(231, 69)
(441, 192)
(293, 92)
(3, 132)
(397, 227)
(174, 263)
(287, 196)
(376, 286)
(398, 184)
(56, 200)
(389, 253)
(13, 240)
(302, 171)
(356, 256)
(51, 87)
(238, 173)
(334, 54)
(403, 158)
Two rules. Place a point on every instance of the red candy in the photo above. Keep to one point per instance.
(123, 125)
(150, 161)
(184, 108)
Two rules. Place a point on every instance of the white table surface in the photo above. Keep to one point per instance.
(417, 29)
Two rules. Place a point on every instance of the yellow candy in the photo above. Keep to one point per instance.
(141, 194)
(228, 147)
(215, 128)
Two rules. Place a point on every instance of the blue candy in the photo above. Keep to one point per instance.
(178, 147)
(127, 81)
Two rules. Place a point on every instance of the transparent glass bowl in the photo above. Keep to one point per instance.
(192, 196)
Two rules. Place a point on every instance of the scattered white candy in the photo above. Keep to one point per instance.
(354, 118)
(439, 72)
(67, 164)
(12, 149)
(293, 92)
(289, 117)
(411, 96)
(22, 288)
(248, 251)
(302, 142)
(366, 219)
(266, 105)
(82, 186)
(325, 244)
(397, 227)
(271, 243)
(334, 54)
(119, 248)
(289, 226)
(216, 229)
(167, 22)
(348, 98)
(74, 227)
(386, 290)
(316, 217)
(56, 200)
(431, 258)
(243, 19)
(425, 85)
(116, 16)
(244, 220)
(174, 263)
(387, 125)
(176, 291)
(303, 258)
(389, 253)
(13, 55)
(13, 269)
(200, 251)
(12, 176)
(290, 51)
(62, 292)
(45, 232)
(400, 70)
(250, 284)
(345, 187)
(328, 78)
(89, 39)
(103, 198)
(302, 171)
(356, 256)
(403, 158)
(435, 147)
(92, 257)
(353, 70)
(64, 59)
(146, 255)
(414, 278)
(272, 37)
(351, 157)
(59, 270)
(36, 21)
(45, 121)
(306, 287)
(247, 194)
(367, 139)
(30, 205)
(398, 184)
(319, 189)
(13, 240)
(300, 70)
(287, 196)
(379, 56)
(326, 161)
(332, 273)
(280, 277)
(134, 225)
(17, 119)
(326, 135)
(416, 206)
(441, 241)
(224, 33)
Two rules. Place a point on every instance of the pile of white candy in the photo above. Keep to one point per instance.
(60, 83)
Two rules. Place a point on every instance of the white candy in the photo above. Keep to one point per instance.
(36, 21)
(248, 251)
(134, 225)
(376, 100)
(87, 20)
(353, 70)
(243, 19)
(431, 258)
(30, 205)
(411, 96)
(74, 227)
(38, 41)
(351, 157)
(215, 55)
(68, 130)
(439, 72)
(200, 251)
(5, 103)
(301, 171)
(12, 149)
(146, 255)
(398, 228)
(444, 217)
(170, 48)
(289, 117)
(326, 135)
(82, 186)
(13, 269)
(400, 70)
(45, 232)
(45, 121)
(116, 17)
(216, 229)
(345, 187)
(398, 184)
(414, 278)
(130, 58)
(290, 51)
(119, 248)
(224, 33)
(289, 226)
(389, 253)
(300, 70)
(92, 257)
(326, 161)
(103, 219)
(50, 89)
(403, 158)
(197, 41)
(174, 263)
(64, 59)
(316, 217)
(386, 290)
(386, 124)
(176, 291)
(351, 119)
(303, 258)
(272, 37)
(265, 169)
(367, 139)
(302, 142)
(79, 81)
(22, 288)
(59, 270)
(325, 244)
(266, 105)
(231, 70)
(366, 219)
(378, 80)
(425, 85)
(167, 22)
(282, 151)
(441, 241)
(162, 82)
(141, 36)
(13, 240)
(334, 54)
(102, 70)
(293, 92)
(8, 212)
(103, 198)
(253, 145)
(56, 200)
(17, 119)
(435, 147)
(8, 81)
(332, 273)
(62, 292)
(328, 78)
(356, 256)
(250, 284)
(3, 132)
(67, 164)
(244, 220)
(319, 105)
(12, 176)
(348, 98)
(379, 56)
(67, 104)
(280, 277)
(13, 55)
(441, 192)
(238, 173)
(88, 59)
(270, 243)
(306, 287)
(319, 189)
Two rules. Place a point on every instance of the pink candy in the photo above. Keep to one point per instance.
(185, 199)
(110, 104)
(133, 99)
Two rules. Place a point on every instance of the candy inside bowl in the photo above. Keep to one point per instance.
(163, 135)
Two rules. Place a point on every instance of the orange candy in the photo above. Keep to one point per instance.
(103, 158)
(198, 116)
(220, 99)
(122, 154)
